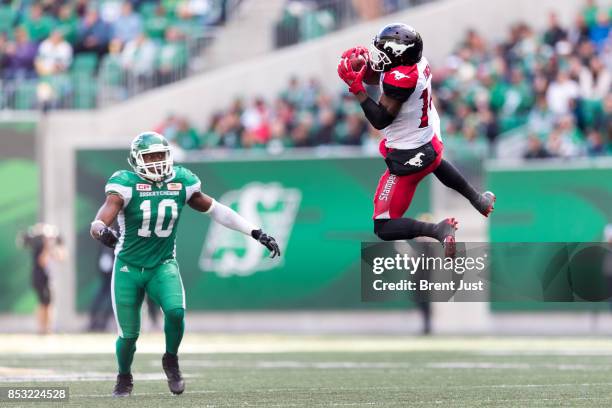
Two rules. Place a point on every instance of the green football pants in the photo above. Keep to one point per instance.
(129, 284)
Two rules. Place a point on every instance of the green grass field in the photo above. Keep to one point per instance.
(323, 371)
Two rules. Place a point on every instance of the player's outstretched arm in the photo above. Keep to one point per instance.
(106, 216)
(231, 219)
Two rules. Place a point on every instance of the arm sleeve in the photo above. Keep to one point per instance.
(230, 218)
(376, 114)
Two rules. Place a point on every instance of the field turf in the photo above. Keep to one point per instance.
(322, 371)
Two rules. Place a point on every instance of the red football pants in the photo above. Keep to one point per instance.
(394, 193)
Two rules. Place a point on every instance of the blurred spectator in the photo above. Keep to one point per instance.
(595, 144)
(54, 55)
(4, 58)
(256, 122)
(20, 56)
(561, 93)
(37, 24)
(368, 9)
(189, 9)
(138, 57)
(301, 133)
(535, 149)
(46, 246)
(129, 24)
(540, 120)
(157, 24)
(600, 30)
(517, 99)
(68, 23)
(293, 92)
(326, 118)
(172, 60)
(589, 12)
(579, 32)
(211, 136)
(555, 32)
(606, 123)
(168, 127)
(595, 80)
(111, 73)
(94, 34)
(565, 139)
(81, 7)
(186, 136)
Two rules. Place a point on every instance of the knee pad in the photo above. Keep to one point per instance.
(175, 316)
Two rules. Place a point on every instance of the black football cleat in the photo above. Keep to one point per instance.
(124, 386)
(446, 235)
(485, 203)
(173, 373)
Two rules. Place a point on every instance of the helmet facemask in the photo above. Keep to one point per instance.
(154, 170)
(379, 60)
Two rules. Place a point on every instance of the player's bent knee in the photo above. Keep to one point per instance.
(380, 231)
(175, 316)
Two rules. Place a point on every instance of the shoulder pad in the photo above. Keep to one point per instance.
(402, 77)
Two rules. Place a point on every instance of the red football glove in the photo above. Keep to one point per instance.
(354, 79)
(359, 50)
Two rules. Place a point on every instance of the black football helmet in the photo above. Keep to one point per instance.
(396, 44)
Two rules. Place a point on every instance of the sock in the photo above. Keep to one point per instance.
(404, 228)
(174, 327)
(125, 349)
(452, 178)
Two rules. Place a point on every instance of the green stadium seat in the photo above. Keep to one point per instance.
(85, 94)
(25, 95)
(85, 63)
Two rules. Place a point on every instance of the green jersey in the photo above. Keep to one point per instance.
(150, 214)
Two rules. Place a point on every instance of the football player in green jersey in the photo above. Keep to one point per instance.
(147, 203)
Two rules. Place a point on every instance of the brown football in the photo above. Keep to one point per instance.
(371, 77)
(357, 62)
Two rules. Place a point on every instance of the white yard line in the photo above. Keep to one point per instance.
(394, 388)
(51, 376)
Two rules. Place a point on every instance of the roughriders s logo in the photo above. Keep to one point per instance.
(416, 161)
(271, 206)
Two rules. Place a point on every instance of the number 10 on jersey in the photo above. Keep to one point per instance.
(160, 231)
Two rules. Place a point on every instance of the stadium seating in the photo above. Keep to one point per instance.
(175, 30)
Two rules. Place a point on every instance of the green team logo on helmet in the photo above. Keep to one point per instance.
(151, 157)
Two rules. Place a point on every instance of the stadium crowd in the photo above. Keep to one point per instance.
(552, 87)
(57, 47)
(303, 20)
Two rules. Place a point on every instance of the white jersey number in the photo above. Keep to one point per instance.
(160, 231)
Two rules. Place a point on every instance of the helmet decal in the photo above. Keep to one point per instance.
(396, 48)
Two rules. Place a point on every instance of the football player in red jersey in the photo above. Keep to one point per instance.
(412, 145)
